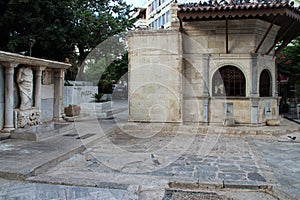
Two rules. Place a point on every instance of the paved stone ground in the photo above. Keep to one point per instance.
(12, 190)
(195, 162)
(122, 159)
(283, 158)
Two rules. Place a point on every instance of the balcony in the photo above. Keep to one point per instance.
(141, 24)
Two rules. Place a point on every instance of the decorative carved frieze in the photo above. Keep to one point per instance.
(25, 118)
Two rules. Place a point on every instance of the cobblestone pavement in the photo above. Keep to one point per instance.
(195, 162)
(231, 159)
(122, 159)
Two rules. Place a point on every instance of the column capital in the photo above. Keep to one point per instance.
(254, 55)
(9, 64)
(206, 56)
(39, 70)
(59, 73)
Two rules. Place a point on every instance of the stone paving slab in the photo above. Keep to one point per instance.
(20, 159)
(284, 159)
(10, 190)
(121, 158)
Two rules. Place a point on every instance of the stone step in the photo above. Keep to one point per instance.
(41, 132)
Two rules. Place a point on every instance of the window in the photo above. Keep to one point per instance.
(265, 84)
(229, 81)
(160, 21)
(168, 17)
(152, 6)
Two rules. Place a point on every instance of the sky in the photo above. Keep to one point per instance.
(136, 3)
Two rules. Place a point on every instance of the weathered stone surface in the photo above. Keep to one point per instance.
(184, 64)
(28, 117)
(254, 176)
(155, 78)
(273, 122)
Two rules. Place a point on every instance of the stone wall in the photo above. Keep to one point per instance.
(79, 94)
(171, 73)
(47, 102)
(204, 52)
(155, 76)
(2, 86)
(230, 108)
(268, 108)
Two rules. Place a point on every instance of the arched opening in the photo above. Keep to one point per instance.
(229, 81)
(265, 89)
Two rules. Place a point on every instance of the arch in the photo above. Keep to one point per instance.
(265, 82)
(229, 81)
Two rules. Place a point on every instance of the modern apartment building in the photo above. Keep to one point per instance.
(159, 12)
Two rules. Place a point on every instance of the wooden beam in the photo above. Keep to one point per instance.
(285, 43)
(227, 48)
(181, 25)
(281, 37)
(266, 34)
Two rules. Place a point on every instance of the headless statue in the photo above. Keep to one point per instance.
(24, 81)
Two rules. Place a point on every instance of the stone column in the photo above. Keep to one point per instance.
(254, 75)
(9, 97)
(58, 94)
(206, 59)
(254, 92)
(38, 86)
(275, 82)
(254, 111)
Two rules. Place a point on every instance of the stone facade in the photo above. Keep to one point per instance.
(171, 73)
(155, 72)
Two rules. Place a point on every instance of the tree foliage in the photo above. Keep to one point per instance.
(289, 60)
(60, 26)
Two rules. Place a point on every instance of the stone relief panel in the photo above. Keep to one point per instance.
(46, 77)
(25, 118)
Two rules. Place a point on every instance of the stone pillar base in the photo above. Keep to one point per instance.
(7, 130)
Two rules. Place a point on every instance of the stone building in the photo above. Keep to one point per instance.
(31, 91)
(215, 65)
(159, 12)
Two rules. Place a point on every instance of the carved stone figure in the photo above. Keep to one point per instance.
(25, 83)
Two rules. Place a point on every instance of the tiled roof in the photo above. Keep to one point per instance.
(196, 7)
(226, 6)
(215, 9)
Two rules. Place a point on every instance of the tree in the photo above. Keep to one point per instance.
(289, 61)
(60, 26)
(47, 22)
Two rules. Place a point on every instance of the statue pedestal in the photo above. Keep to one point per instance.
(41, 132)
(27, 117)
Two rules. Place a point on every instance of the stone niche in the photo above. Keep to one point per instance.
(26, 118)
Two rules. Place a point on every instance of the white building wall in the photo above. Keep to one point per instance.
(159, 12)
